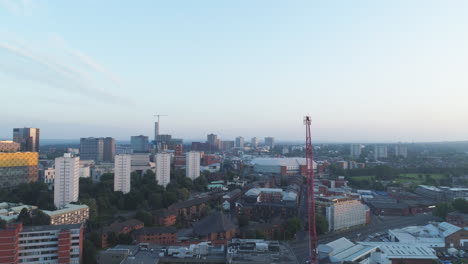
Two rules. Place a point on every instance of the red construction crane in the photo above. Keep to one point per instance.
(313, 258)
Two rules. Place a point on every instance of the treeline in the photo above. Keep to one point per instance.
(145, 195)
(33, 193)
(443, 209)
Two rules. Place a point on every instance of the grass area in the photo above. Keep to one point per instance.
(415, 178)
(404, 177)
(362, 178)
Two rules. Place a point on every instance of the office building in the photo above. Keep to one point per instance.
(213, 141)
(41, 244)
(18, 167)
(66, 182)
(109, 149)
(163, 168)
(97, 149)
(122, 173)
(28, 138)
(92, 149)
(139, 143)
(48, 176)
(356, 150)
(342, 212)
(239, 142)
(227, 145)
(69, 214)
(270, 142)
(254, 142)
(192, 166)
(380, 151)
(9, 146)
(401, 150)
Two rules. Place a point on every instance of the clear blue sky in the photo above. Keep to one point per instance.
(365, 70)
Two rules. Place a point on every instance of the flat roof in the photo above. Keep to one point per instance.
(395, 250)
(50, 227)
(66, 209)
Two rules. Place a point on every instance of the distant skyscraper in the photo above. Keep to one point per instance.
(109, 149)
(192, 166)
(28, 138)
(227, 144)
(66, 182)
(239, 142)
(163, 168)
(97, 149)
(122, 173)
(178, 149)
(92, 149)
(401, 150)
(380, 151)
(355, 150)
(254, 142)
(270, 142)
(213, 141)
(156, 131)
(139, 143)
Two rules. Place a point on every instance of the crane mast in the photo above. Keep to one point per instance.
(313, 258)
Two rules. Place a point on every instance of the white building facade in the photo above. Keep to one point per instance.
(163, 168)
(122, 172)
(355, 150)
(192, 165)
(66, 182)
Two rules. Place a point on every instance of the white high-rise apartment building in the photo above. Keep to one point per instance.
(163, 168)
(254, 142)
(192, 165)
(380, 151)
(122, 173)
(401, 150)
(356, 150)
(66, 182)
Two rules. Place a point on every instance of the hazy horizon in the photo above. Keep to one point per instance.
(366, 71)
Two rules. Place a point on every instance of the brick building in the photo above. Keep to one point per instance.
(165, 217)
(190, 209)
(156, 235)
(41, 244)
(217, 228)
(117, 228)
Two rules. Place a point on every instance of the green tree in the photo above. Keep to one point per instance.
(145, 217)
(40, 218)
(321, 224)
(24, 217)
(460, 205)
(243, 220)
(89, 252)
(442, 209)
(292, 226)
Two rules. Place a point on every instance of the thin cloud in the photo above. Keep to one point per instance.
(50, 71)
(94, 65)
(18, 7)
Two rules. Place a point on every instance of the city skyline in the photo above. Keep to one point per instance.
(365, 71)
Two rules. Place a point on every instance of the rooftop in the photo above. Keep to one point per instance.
(155, 230)
(395, 250)
(217, 222)
(50, 227)
(259, 251)
(66, 209)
